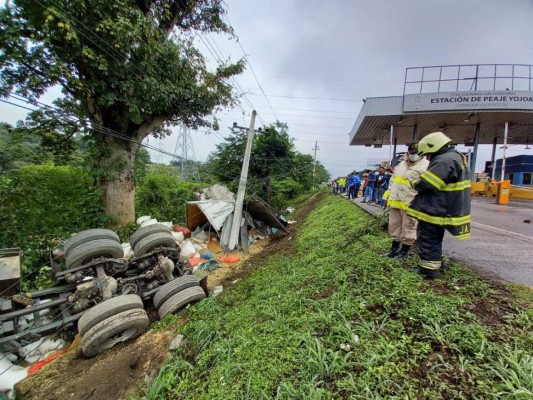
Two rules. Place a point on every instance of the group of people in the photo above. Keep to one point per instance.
(372, 185)
(427, 194)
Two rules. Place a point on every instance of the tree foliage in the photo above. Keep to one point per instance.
(24, 144)
(273, 156)
(130, 68)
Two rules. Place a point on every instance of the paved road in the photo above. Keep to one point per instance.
(501, 243)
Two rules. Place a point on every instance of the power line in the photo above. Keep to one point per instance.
(218, 57)
(308, 116)
(308, 98)
(328, 79)
(312, 126)
(253, 72)
(304, 109)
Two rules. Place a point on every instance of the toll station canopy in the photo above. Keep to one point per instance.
(470, 103)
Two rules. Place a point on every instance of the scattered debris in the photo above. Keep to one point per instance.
(527, 221)
(12, 374)
(217, 290)
(289, 210)
(178, 341)
(345, 347)
(229, 258)
(208, 265)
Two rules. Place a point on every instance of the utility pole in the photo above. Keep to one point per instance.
(237, 212)
(314, 160)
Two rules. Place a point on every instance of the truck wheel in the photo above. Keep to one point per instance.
(107, 309)
(171, 288)
(95, 248)
(180, 300)
(118, 328)
(152, 241)
(146, 231)
(87, 236)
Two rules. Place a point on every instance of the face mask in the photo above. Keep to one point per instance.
(414, 157)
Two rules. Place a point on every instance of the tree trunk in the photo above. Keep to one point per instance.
(116, 179)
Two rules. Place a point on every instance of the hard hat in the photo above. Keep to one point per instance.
(432, 143)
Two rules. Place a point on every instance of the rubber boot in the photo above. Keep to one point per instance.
(403, 253)
(428, 273)
(395, 246)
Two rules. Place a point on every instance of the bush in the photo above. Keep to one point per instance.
(164, 197)
(285, 190)
(40, 203)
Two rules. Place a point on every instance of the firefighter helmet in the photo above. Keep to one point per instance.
(432, 143)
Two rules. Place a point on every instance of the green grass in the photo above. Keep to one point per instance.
(337, 320)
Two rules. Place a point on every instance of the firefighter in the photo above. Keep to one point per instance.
(442, 201)
(402, 227)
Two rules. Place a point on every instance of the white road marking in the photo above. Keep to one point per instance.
(492, 228)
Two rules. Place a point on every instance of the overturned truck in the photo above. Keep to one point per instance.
(98, 291)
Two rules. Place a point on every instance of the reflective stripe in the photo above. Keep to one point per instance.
(454, 221)
(398, 204)
(433, 179)
(451, 187)
(464, 236)
(386, 194)
(401, 180)
(432, 265)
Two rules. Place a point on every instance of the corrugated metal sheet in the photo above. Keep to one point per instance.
(215, 211)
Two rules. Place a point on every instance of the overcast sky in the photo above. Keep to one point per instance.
(325, 57)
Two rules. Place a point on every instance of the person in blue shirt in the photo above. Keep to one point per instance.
(354, 182)
(382, 184)
(369, 190)
(357, 184)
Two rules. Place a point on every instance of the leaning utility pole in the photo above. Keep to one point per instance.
(237, 212)
(314, 160)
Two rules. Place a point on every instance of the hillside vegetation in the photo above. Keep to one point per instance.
(327, 317)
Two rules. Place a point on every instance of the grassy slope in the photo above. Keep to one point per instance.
(277, 333)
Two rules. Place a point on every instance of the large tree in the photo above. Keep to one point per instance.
(128, 67)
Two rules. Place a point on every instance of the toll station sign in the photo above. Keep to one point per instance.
(458, 101)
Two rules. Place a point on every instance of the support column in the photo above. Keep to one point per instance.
(415, 136)
(493, 158)
(394, 148)
(474, 154)
(391, 142)
(505, 132)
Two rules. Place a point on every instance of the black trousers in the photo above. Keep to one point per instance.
(429, 238)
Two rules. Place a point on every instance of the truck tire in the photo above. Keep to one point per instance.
(175, 286)
(87, 236)
(118, 328)
(106, 309)
(152, 241)
(146, 231)
(95, 248)
(180, 300)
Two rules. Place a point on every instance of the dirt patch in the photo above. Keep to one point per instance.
(112, 375)
(489, 313)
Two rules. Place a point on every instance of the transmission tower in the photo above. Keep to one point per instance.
(184, 152)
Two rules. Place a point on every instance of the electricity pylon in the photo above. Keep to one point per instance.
(184, 152)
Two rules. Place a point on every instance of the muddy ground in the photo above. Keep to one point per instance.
(120, 372)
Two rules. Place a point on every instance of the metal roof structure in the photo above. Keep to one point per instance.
(458, 100)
